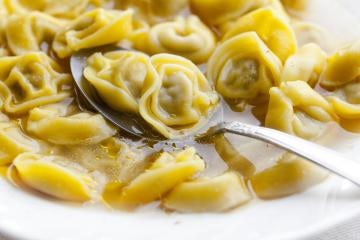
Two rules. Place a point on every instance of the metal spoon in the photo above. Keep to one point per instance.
(134, 125)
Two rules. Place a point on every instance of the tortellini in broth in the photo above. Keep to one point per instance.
(13, 142)
(271, 27)
(306, 65)
(342, 74)
(243, 67)
(180, 100)
(187, 37)
(119, 76)
(31, 80)
(26, 32)
(56, 176)
(57, 8)
(91, 29)
(58, 125)
(297, 109)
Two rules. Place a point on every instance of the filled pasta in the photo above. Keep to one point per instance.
(180, 100)
(297, 109)
(95, 28)
(306, 65)
(58, 125)
(290, 175)
(31, 80)
(271, 27)
(3, 42)
(57, 8)
(13, 142)
(167, 171)
(56, 177)
(342, 74)
(119, 76)
(216, 194)
(187, 37)
(243, 67)
(27, 32)
(153, 11)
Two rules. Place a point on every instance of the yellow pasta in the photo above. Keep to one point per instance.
(119, 77)
(306, 65)
(298, 5)
(187, 37)
(55, 176)
(243, 67)
(13, 142)
(217, 12)
(288, 176)
(31, 80)
(26, 32)
(57, 8)
(271, 27)
(179, 101)
(55, 125)
(216, 194)
(342, 67)
(164, 174)
(297, 109)
(3, 42)
(95, 28)
(153, 11)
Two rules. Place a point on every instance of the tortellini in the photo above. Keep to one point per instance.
(271, 27)
(57, 8)
(26, 32)
(297, 109)
(216, 194)
(3, 42)
(187, 37)
(56, 177)
(180, 100)
(298, 5)
(95, 28)
(343, 74)
(217, 12)
(55, 125)
(31, 80)
(164, 174)
(243, 67)
(119, 76)
(306, 65)
(13, 142)
(290, 175)
(154, 11)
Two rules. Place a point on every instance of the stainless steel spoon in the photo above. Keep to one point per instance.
(134, 125)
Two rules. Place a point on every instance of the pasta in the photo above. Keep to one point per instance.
(297, 109)
(27, 32)
(164, 174)
(53, 175)
(243, 67)
(54, 124)
(306, 65)
(154, 11)
(271, 27)
(217, 12)
(216, 194)
(179, 101)
(342, 73)
(174, 60)
(95, 28)
(187, 37)
(13, 142)
(57, 8)
(119, 77)
(31, 80)
(290, 175)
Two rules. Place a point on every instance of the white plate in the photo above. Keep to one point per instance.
(26, 216)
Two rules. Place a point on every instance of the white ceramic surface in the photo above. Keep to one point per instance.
(27, 216)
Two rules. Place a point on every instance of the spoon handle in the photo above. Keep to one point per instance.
(313, 152)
